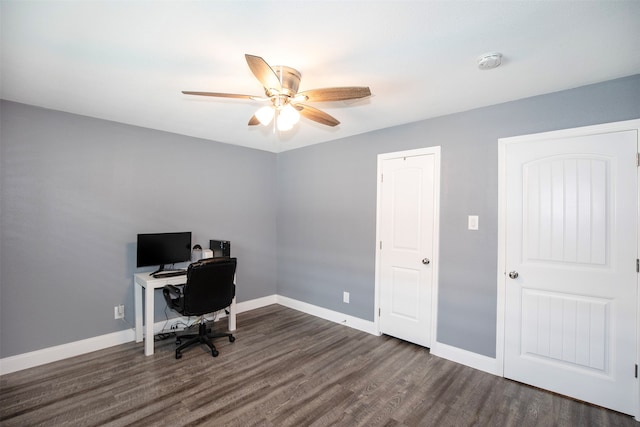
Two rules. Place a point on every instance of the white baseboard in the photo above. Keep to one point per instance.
(324, 313)
(64, 351)
(465, 357)
(458, 355)
(77, 348)
(241, 307)
(168, 325)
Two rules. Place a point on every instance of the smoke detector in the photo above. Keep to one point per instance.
(489, 60)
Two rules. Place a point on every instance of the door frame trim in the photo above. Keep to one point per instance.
(501, 271)
(435, 150)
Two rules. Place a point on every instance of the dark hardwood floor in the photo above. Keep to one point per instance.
(286, 368)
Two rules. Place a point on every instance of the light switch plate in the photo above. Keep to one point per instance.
(473, 222)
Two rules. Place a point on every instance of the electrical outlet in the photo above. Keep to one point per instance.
(118, 312)
(345, 297)
(473, 222)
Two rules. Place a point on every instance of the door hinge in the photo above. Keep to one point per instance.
(637, 265)
(636, 371)
(637, 159)
(380, 244)
(381, 177)
(380, 314)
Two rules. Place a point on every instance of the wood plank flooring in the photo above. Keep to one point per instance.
(286, 368)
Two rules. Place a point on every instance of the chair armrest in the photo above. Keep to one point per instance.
(172, 295)
(172, 290)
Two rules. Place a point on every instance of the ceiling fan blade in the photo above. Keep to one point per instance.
(263, 72)
(317, 115)
(220, 95)
(335, 93)
(253, 121)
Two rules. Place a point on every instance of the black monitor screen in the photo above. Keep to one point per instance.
(163, 248)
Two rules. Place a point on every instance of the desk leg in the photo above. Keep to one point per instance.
(232, 315)
(148, 320)
(137, 298)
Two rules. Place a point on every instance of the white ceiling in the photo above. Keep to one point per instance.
(127, 61)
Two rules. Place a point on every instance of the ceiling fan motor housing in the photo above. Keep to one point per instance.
(289, 79)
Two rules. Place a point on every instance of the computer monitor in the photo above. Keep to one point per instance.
(163, 248)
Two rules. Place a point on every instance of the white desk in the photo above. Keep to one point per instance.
(143, 282)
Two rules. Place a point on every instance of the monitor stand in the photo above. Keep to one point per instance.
(161, 268)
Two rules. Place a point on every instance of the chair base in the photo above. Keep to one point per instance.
(204, 336)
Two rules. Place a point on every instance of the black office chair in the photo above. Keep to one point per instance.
(210, 287)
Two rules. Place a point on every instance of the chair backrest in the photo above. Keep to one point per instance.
(210, 286)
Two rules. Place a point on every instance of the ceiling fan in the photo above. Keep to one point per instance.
(286, 103)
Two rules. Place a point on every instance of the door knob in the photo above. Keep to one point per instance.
(513, 274)
(426, 261)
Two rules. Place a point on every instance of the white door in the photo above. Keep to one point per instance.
(407, 246)
(570, 269)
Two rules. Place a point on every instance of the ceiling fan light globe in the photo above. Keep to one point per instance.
(288, 117)
(283, 125)
(265, 115)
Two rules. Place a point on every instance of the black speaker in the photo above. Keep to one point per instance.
(220, 247)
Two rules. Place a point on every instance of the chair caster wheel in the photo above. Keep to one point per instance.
(214, 353)
(232, 338)
(178, 355)
(178, 342)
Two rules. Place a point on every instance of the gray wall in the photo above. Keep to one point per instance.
(327, 205)
(75, 193)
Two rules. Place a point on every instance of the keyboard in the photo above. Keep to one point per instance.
(163, 274)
